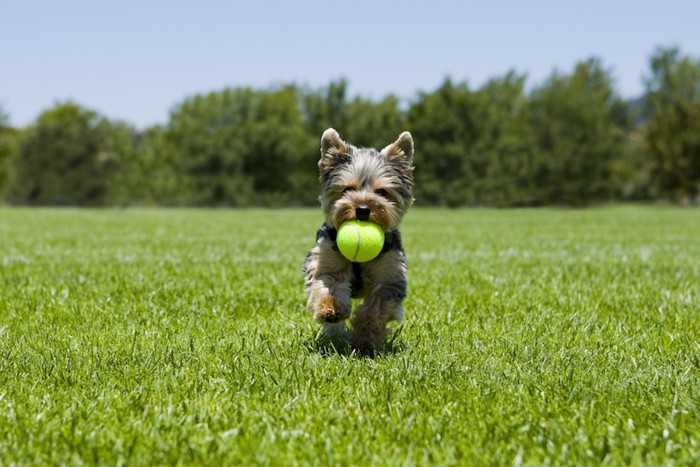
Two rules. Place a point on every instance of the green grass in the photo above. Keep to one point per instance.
(180, 336)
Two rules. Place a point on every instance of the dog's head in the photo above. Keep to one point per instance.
(365, 184)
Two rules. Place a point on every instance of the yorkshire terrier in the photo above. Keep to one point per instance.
(366, 185)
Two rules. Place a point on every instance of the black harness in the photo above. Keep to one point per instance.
(392, 241)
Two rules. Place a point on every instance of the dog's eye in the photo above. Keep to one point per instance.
(348, 189)
(381, 192)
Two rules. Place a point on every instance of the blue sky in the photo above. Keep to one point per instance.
(134, 60)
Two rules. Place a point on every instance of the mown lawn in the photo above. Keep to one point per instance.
(180, 336)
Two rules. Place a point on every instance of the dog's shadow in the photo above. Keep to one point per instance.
(328, 346)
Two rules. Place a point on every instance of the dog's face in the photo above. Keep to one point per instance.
(365, 184)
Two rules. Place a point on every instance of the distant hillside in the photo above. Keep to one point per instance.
(638, 111)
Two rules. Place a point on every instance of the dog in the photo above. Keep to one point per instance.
(366, 185)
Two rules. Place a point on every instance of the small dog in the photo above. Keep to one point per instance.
(367, 185)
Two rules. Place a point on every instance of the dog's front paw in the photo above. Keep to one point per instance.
(330, 309)
(363, 342)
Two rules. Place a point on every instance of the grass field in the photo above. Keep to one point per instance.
(180, 336)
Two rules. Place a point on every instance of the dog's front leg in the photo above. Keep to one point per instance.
(327, 277)
(329, 299)
(369, 325)
(386, 285)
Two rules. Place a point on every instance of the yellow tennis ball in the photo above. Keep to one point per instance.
(360, 241)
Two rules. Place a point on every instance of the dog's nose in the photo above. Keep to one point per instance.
(362, 213)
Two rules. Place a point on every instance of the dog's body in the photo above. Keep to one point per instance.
(360, 184)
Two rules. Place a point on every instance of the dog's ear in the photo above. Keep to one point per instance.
(400, 154)
(401, 148)
(334, 151)
(331, 140)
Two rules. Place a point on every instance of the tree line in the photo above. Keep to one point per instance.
(571, 140)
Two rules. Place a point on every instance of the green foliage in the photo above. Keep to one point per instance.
(362, 121)
(65, 158)
(325, 108)
(7, 140)
(578, 127)
(673, 130)
(236, 147)
(203, 139)
(631, 172)
(373, 124)
(442, 123)
(531, 337)
(502, 144)
(127, 180)
(496, 146)
(571, 140)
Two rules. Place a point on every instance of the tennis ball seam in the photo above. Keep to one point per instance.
(359, 242)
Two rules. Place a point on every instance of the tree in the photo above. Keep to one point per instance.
(673, 129)
(473, 145)
(501, 151)
(443, 127)
(136, 175)
(237, 147)
(203, 141)
(324, 108)
(153, 174)
(373, 124)
(65, 158)
(7, 137)
(578, 125)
